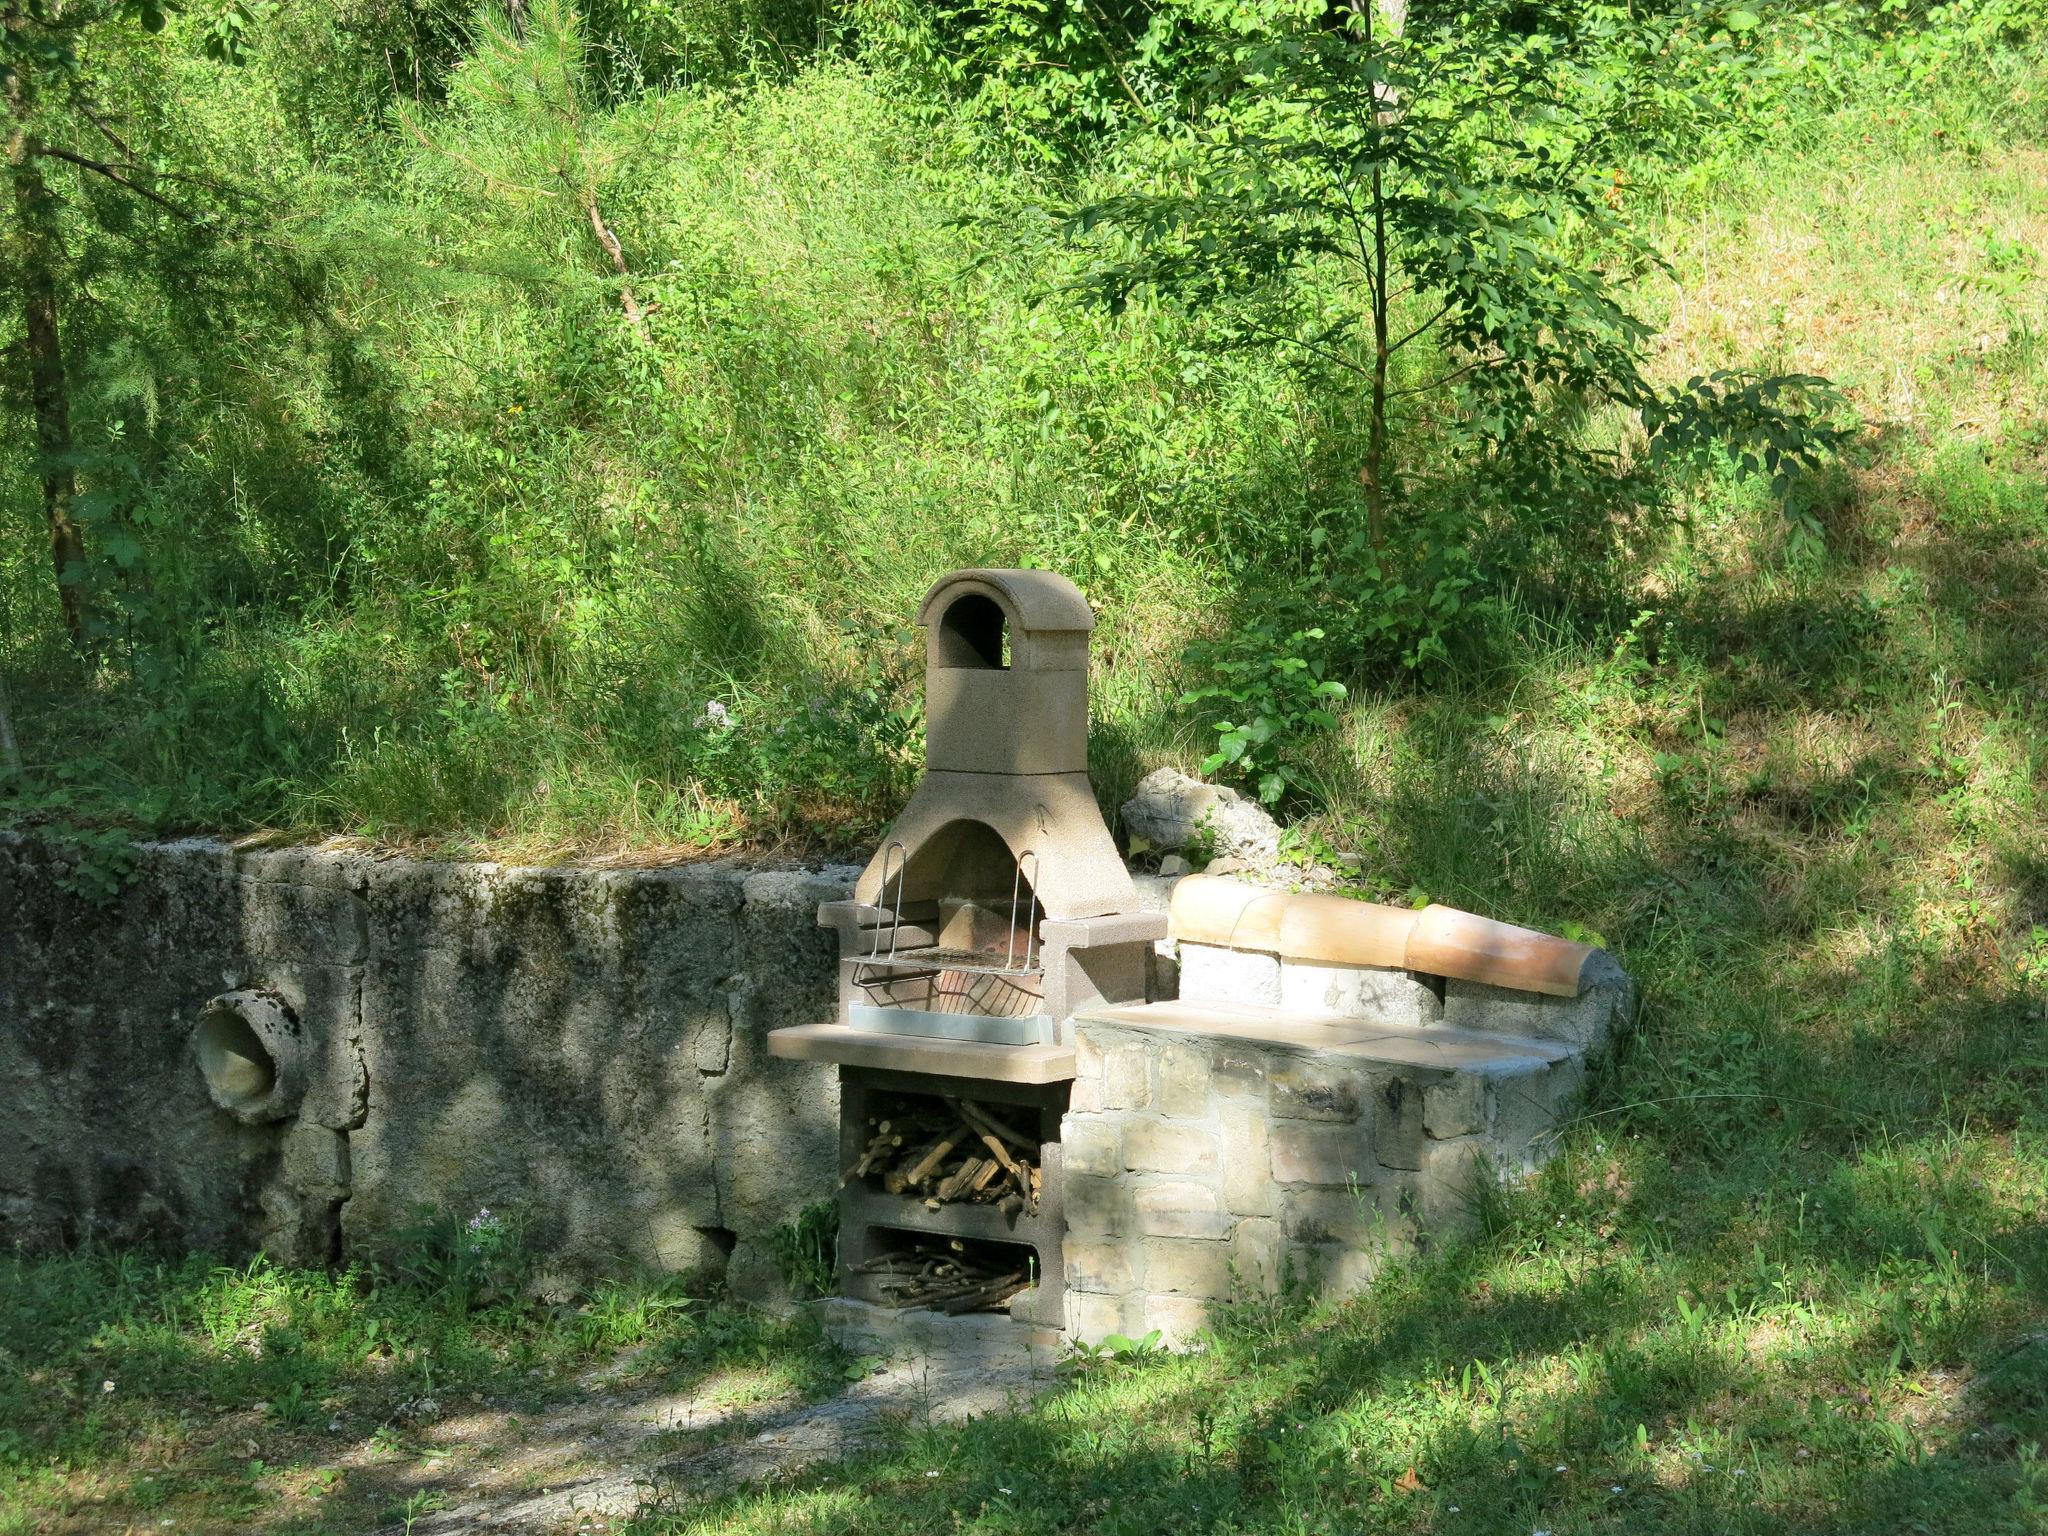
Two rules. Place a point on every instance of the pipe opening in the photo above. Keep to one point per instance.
(239, 1069)
(251, 1055)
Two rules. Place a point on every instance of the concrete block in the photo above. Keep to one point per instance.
(1212, 974)
(280, 920)
(1006, 722)
(1094, 1265)
(1455, 1107)
(316, 1159)
(1183, 1080)
(1397, 1123)
(1091, 1144)
(1245, 1140)
(1152, 1146)
(1306, 1153)
(1178, 1266)
(1307, 1088)
(1098, 1207)
(1179, 1208)
(1359, 992)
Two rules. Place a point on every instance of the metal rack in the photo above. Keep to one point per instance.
(953, 993)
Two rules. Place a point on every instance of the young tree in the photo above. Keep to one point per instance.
(1423, 209)
(47, 99)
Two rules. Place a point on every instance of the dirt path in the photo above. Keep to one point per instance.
(582, 1469)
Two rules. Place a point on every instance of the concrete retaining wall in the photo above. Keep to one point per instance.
(581, 1051)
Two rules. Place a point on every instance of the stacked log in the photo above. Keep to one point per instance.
(945, 1150)
(946, 1274)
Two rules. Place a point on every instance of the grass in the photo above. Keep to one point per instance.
(141, 1392)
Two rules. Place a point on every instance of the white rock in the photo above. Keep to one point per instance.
(1169, 808)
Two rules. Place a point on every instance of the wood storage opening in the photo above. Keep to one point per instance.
(950, 1193)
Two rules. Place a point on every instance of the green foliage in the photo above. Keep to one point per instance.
(345, 1382)
(1274, 692)
(806, 1250)
(468, 1262)
(398, 526)
(1352, 193)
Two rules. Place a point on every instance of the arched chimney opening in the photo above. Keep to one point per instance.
(974, 634)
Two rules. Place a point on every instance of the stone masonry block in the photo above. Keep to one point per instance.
(1306, 1153)
(1186, 1267)
(1098, 1207)
(1091, 1318)
(1362, 1215)
(1098, 1266)
(1258, 1255)
(1117, 1064)
(1179, 1208)
(1359, 992)
(1444, 1191)
(1151, 1146)
(1311, 1089)
(1209, 974)
(1588, 1021)
(1237, 1072)
(1456, 1107)
(1528, 1110)
(1246, 1140)
(1183, 1080)
(1397, 1123)
(1091, 1145)
(1178, 1319)
(1347, 1271)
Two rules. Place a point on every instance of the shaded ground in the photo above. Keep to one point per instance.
(625, 1455)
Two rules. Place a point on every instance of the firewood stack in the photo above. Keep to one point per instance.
(947, 1275)
(943, 1150)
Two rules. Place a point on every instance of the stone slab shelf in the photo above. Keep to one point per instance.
(940, 1058)
(1440, 1046)
(985, 1223)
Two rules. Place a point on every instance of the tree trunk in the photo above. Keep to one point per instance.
(10, 749)
(628, 300)
(39, 255)
(1373, 477)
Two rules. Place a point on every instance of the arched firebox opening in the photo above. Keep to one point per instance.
(968, 862)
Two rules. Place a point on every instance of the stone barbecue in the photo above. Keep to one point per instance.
(1107, 1119)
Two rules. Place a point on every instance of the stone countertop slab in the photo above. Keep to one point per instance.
(1437, 1046)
